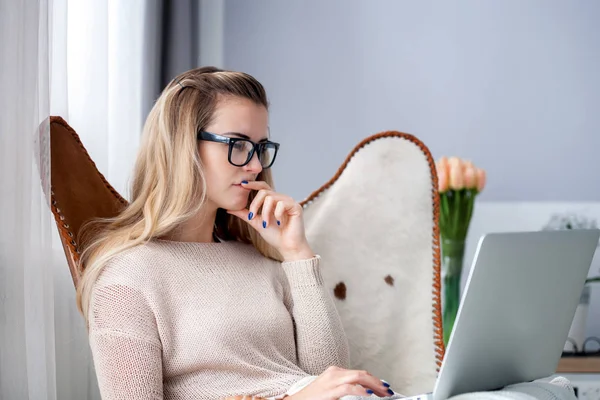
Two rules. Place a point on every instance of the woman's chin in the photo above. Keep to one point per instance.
(235, 200)
(236, 205)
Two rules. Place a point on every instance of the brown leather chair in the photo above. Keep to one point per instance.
(386, 194)
(79, 192)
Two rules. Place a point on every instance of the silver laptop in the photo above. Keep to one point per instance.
(516, 311)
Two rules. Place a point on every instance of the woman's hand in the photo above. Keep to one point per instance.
(338, 382)
(280, 222)
(335, 383)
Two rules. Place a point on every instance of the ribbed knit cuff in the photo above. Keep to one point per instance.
(304, 272)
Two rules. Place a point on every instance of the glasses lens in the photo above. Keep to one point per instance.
(267, 154)
(240, 152)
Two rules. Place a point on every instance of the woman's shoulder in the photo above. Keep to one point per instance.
(153, 262)
(129, 267)
(218, 253)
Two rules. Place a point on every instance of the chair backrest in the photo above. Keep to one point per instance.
(375, 223)
(79, 192)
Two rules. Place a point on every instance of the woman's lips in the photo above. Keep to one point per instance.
(240, 186)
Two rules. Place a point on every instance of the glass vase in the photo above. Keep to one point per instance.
(453, 252)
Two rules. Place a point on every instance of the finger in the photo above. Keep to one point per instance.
(267, 210)
(286, 208)
(256, 185)
(366, 380)
(280, 212)
(349, 389)
(257, 202)
(244, 216)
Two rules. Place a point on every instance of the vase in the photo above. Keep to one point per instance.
(453, 252)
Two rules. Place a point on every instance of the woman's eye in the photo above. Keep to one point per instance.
(239, 146)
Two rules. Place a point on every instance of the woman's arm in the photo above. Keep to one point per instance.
(125, 345)
(320, 338)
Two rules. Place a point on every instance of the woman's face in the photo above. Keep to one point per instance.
(234, 118)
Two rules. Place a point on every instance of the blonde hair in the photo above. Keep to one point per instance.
(168, 185)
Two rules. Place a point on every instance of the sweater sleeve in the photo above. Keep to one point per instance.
(125, 345)
(320, 338)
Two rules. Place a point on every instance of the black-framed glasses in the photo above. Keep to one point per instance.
(241, 150)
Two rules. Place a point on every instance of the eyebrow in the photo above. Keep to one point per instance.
(242, 136)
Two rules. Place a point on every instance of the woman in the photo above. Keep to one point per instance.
(205, 286)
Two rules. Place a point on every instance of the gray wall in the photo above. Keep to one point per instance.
(513, 85)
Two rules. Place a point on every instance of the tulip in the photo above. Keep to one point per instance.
(442, 162)
(456, 208)
(457, 181)
(470, 177)
(442, 172)
(481, 177)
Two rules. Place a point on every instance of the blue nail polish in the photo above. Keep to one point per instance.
(264, 224)
(387, 385)
(245, 182)
(369, 391)
(278, 222)
(250, 215)
(390, 391)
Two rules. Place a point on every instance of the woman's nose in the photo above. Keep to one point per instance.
(254, 165)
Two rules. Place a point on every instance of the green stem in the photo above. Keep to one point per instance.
(470, 204)
(457, 212)
(455, 218)
(453, 254)
(444, 207)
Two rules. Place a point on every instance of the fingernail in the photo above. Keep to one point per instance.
(245, 182)
(264, 224)
(250, 215)
(387, 385)
(390, 391)
(278, 222)
(369, 391)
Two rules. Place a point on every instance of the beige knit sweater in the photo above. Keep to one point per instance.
(178, 320)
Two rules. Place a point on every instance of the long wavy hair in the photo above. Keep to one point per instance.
(168, 184)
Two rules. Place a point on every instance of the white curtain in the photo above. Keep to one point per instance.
(82, 60)
(27, 354)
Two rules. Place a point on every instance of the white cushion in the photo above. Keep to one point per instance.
(376, 219)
